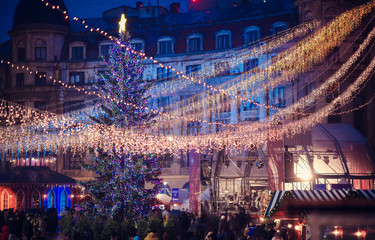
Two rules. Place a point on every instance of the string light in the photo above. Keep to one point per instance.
(142, 140)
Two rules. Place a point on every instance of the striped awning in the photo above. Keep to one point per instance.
(308, 195)
(276, 196)
(366, 194)
(320, 195)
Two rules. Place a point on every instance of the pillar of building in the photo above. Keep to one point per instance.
(263, 112)
(205, 116)
(233, 110)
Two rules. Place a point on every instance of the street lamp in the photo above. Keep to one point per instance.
(165, 188)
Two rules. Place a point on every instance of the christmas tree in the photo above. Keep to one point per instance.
(119, 188)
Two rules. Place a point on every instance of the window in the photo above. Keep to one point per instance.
(193, 70)
(63, 200)
(35, 199)
(308, 16)
(20, 201)
(40, 53)
(21, 54)
(165, 161)
(77, 78)
(5, 200)
(74, 160)
(137, 44)
(40, 79)
(279, 27)
(220, 124)
(250, 64)
(165, 46)
(42, 105)
(332, 91)
(77, 53)
(164, 74)
(222, 69)
(104, 50)
(194, 128)
(51, 199)
(223, 39)
(162, 103)
(307, 90)
(251, 34)
(20, 79)
(278, 97)
(252, 101)
(194, 43)
(335, 55)
(224, 103)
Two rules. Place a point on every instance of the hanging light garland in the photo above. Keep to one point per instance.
(145, 140)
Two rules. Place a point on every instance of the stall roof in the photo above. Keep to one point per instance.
(32, 175)
(305, 195)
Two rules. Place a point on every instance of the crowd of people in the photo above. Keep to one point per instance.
(35, 224)
(229, 226)
(38, 224)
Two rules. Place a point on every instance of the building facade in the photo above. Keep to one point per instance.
(203, 40)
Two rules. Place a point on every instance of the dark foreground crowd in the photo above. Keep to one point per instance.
(36, 224)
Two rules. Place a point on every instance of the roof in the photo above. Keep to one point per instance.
(353, 153)
(220, 15)
(36, 11)
(250, 11)
(32, 175)
(319, 196)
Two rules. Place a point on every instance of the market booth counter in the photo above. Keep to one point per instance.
(322, 214)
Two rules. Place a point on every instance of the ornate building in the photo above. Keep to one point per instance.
(199, 40)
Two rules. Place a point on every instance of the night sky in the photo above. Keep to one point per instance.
(78, 8)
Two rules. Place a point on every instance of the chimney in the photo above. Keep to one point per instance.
(139, 4)
(174, 7)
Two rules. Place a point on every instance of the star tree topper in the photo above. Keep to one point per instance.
(122, 24)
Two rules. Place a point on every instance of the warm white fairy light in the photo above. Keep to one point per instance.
(290, 63)
(322, 89)
(254, 51)
(83, 134)
(237, 138)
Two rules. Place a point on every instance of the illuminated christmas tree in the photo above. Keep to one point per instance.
(119, 188)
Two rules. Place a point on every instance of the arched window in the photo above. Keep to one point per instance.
(40, 50)
(51, 199)
(279, 27)
(21, 50)
(35, 199)
(251, 34)
(165, 45)
(20, 197)
(308, 16)
(77, 51)
(138, 44)
(223, 39)
(63, 201)
(194, 42)
(104, 48)
(5, 200)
